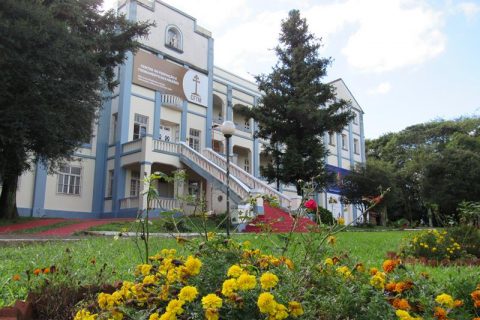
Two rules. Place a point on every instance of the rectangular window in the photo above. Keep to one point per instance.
(114, 127)
(110, 184)
(356, 146)
(166, 133)
(194, 139)
(246, 165)
(135, 184)
(140, 126)
(355, 118)
(194, 189)
(344, 142)
(331, 138)
(69, 180)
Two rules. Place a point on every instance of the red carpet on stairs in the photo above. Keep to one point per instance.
(277, 220)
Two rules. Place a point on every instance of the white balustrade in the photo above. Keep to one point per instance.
(135, 145)
(248, 179)
(171, 100)
(214, 170)
(164, 146)
(131, 202)
(166, 203)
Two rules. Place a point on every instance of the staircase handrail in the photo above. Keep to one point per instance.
(241, 186)
(256, 182)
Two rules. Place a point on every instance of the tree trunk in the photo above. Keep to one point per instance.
(8, 198)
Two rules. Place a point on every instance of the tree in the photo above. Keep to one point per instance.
(57, 58)
(296, 108)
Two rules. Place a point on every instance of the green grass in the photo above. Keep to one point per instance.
(121, 256)
(158, 225)
(45, 228)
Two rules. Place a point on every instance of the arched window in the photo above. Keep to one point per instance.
(173, 38)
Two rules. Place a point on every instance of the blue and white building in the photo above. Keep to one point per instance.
(162, 117)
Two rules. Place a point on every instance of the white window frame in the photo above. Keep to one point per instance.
(194, 139)
(111, 174)
(356, 146)
(177, 43)
(140, 122)
(331, 138)
(134, 183)
(69, 182)
(246, 165)
(344, 141)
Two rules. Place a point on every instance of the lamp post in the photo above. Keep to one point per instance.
(228, 128)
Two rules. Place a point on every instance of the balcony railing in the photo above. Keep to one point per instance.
(164, 146)
(135, 145)
(166, 203)
(129, 203)
(170, 100)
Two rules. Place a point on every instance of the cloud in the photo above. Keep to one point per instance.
(382, 88)
(469, 9)
(392, 34)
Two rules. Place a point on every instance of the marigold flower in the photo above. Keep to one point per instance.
(280, 312)
(266, 302)
(475, 295)
(402, 286)
(268, 280)
(295, 308)
(378, 280)
(401, 304)
(360, 267)
(390, 287)
(457, 303)
(235, 271)
(16, 277)
(389, 265)
(440, 313)
(154, 316)
(229, 286)
(344, 271)
(288, 263)
(331, 240)
(151, 279)
(46, 270)
(246, 282)
(144, 269)
(84, 315)
(211, 301)
(445, 300)
(188, 293)
(193, 265)
(373, 271)
(329, 262)
(211, 314)
(175, 306)
(341, 221)
(37, 271)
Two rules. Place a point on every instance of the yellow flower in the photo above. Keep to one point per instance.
(445, 300)
(144, 269)
(344, 271)
(168, 316)
(188, 293)
(329, 262)
(295, 308)
(378, 280)
(193, 265)
(247, 244)
(149, 279)
(246, 282)
(266, 302)
(341, 221)
(85, 315)
(331, 240)
(289, 263)
(154, 316)
(211, 301)
(175, 306)
(229, 286)
(211, 235)
(268, 280)
(280, 312)
(235, 271)
(211, 314)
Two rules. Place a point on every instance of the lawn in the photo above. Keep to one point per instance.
(85, 258)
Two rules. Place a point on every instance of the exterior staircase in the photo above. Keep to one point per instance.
(277, 220)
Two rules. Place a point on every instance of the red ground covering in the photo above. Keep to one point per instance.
(28, 225)
(279, 220)
(72, 228)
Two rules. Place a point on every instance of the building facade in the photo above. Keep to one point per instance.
(164, 116)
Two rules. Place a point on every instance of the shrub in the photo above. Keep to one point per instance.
(433, 244)
(326, 216)
(468, 237)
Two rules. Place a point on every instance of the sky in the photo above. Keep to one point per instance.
(405, 61)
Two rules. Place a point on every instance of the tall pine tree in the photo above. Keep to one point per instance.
(296, 108)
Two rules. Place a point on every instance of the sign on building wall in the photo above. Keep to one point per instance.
(157, 74)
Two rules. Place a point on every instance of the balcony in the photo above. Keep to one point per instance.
(169, 100)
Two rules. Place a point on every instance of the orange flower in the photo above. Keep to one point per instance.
(401, 304)
(402, 286)
(389, 265)
(373, 271)
(37, 271)
(476, 304)
(457, 303)
(16, 277)
(475, 295)
(390, 287)
(440, 313)
(46, 270)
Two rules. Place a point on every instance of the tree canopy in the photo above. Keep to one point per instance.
(430, 164)
(57, 58)
(297, 108)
